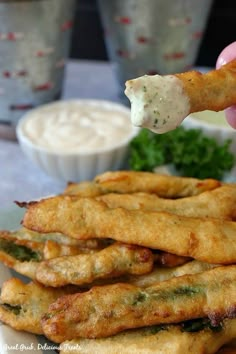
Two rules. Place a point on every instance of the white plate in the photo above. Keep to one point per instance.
(11, 341)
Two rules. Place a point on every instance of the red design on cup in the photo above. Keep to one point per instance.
(142, 39)
(44, 87)
(174, 56)
(21, 107)
(188, 20)
(11, 36)
(197, 34)
(44, 52)
(67, 25)
(20, 73)
(60, 63)
(125, 20)
(123, 53)
(6, 74)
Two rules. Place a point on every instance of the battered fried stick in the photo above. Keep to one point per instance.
(156, 339)
(159, 274)
(215, 90)
(22, 305)
(24, 256)
(25, 234)
(83, 189)
(113, 261)
(218, 203)
(132, 182)
(152, 97)
(206, 239)
(162, 185)
(107, 310)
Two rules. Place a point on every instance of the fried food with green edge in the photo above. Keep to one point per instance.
(163, 185)
(22, 305)
(159, 274)
(208, 240)
(83, 189)
(218, 203)
(147, 182)
(26, 234)
(170, 339)
(113, 261)
(24, 256)
(106, 310)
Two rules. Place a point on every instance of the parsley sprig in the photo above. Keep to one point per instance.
(191, 152)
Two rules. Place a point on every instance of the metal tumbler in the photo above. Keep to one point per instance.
(34, 44)
(153, 36)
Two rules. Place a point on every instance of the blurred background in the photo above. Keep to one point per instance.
(88, 40)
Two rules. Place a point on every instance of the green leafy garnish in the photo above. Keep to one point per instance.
(191, 152)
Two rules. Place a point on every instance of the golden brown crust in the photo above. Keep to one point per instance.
(113, 261)
(166, 340)
(25, 255)
(107, 310)
(215, 90)
(217, 203)
(22, 305)
(163, 185)
(206, 239)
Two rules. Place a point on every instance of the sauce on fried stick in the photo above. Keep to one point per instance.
(160, 103)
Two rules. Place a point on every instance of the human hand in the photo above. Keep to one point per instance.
(228, 54)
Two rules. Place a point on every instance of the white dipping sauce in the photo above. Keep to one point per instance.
(158, 102)
(78, 126)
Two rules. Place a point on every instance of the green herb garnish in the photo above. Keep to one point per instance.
(191, 152)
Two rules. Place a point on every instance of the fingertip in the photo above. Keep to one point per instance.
(228, 54)
(230, 114)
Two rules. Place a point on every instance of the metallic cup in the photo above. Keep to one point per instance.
(34, 44)
(153, 36)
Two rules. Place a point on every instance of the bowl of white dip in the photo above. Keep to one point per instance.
(74, 140)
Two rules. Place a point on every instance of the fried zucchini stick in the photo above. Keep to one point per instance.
(83, 189)
(25, 256)
(214, 90)
(113, 261)
(25, 234)
(147, 182)
(22, 305)
(218, 203)
(163, 185)
(206, 239)
(156, 340)
(107, 310)
(159, 274)
(160, 103)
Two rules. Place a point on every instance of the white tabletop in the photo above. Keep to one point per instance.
(22, 181)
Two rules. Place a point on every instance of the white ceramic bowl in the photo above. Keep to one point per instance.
(214, 124)
(69, 165)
